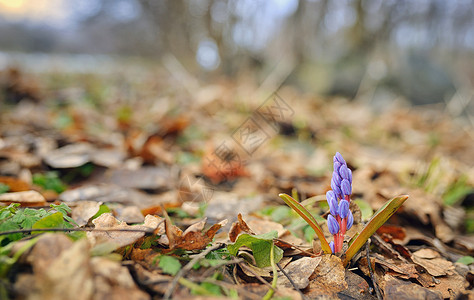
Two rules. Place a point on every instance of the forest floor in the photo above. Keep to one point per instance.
(163, 175)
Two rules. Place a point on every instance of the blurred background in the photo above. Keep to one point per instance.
(420, 51)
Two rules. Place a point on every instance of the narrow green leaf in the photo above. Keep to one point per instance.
(308, 217)
(379, 218)
(261, 245)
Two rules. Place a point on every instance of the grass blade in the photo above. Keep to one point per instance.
(377, 220)
(308, 217)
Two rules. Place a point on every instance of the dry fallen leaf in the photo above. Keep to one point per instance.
(26, 198)
(328, 278)
(299, 271)
(433, 263)
(15, 184)
(238, 227)
(113, 281)
(84, 211)
(70, 156)
(398, 289)
(66, 276)
(118, 238)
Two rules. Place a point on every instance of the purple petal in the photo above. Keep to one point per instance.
(335, 187)
(343, 208)
(344, 172)
(346, 188)
(337, 178)
(338, 157)
(333, 225)
(350, 176)
(337, 165)
(331, 244)
(350, 220)
(332, 201)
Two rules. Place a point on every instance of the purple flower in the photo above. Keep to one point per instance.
(333, 225)
(338, 157)
(337, 178)
(343, 208)
(337, 165)
(350, 175)
(335, 187)
(350, 220)
(331, 244)
(332, 201)
(346, 188)
(344, 172)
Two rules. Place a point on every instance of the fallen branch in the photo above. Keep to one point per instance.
(146, 231)
(291, 281)
(371, 271)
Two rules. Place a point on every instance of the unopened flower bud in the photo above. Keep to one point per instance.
(337, 178)
(344, 172)
(337, 165)
(343, 208)
(338, 157)
(331, 244)
(346, 188)
(332, 201)
(333, 225)
(335, 187)
(350, 220)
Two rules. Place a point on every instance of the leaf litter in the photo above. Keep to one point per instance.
(176, 169)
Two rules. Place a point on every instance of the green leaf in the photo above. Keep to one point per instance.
(260, 245)
(379, 218)
(308, 233)
(64, 210)
(49, 181)
(457, 191)
(467, 260)
(211, 289)
(280, 213)
(365, 209)
(169, 265)
(308, 217)
(4, 188)
(102, 210)
(55, 220)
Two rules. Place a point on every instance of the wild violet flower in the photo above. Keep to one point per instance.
(339, 198)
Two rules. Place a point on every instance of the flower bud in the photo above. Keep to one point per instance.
(335, 187)
(350, 220)
(337, 165)
(346, 188)
(343, 208)
(331, 244)
(350, 176)
(333, 226)
(338, 157)
(332, 201)
(337, 178)
(344, 172)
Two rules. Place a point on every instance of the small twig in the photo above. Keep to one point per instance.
(371, 271)
(242, 265)
(297, 248)
(187, 268)
(224, 263)
(146, 231)
(291, 281)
